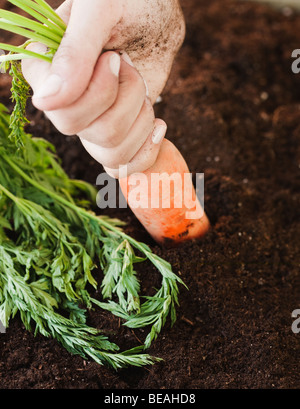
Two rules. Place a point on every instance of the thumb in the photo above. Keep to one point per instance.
(88, 30)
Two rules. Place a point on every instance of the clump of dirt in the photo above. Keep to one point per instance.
(232, 105)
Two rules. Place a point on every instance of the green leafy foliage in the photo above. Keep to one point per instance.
(43, 25)
(51, 242)
(49, 247)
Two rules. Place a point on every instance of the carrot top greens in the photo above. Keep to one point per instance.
(43, 25)
(50, 240)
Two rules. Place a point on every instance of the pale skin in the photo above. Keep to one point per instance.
(112, 65)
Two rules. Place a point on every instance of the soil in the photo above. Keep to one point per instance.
(232, 105)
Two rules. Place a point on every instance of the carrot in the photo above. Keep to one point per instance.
(183, 219)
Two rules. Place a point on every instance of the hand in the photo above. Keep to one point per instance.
(104, 100)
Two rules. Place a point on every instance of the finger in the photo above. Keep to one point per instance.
(123, 153)
(35, 70)
(100, 95)
(89, 28)
(112, 128)
(146, 156)
(64, 10)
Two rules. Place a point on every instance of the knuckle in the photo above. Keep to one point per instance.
(116, 158)
(112, 162)
(104, 135)
(64, 55)
(65, 130)
(65, 122)
(64, 127)
(112, 136)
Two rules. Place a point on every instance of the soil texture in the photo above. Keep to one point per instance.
(232, 105)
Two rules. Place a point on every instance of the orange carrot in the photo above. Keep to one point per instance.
(170, 215)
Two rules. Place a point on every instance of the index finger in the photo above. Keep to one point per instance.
(89, 29)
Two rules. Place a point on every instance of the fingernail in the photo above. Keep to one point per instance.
(147, 88)
(126, 58)
(51, 87)
(115, 63)
(159, 134)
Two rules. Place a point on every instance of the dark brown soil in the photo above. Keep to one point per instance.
(233, 109)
